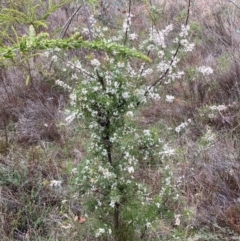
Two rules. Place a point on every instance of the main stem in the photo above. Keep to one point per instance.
(116, 216)
(108, 146)
(107, 141)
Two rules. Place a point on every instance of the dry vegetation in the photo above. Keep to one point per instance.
(35, 148)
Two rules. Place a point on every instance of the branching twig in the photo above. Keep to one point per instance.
(88, 22)
(128, 22)
(234, 3)
(65, 28)
(172, 60)
(67, 24)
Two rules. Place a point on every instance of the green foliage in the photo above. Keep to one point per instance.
(223, 62)
(42, 42)
(12, 13)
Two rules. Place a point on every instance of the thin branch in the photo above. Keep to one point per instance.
(188, 12)
(144, 232)
(88, 22)
(67, 24)
(234, 3)
(84, 72)
(128, 22)
(172, 60)
(165, 73)
(65, 28)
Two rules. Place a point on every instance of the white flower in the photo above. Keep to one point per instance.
(152, 95)
(168, 29)
(74, 171)
(167, 151)
(120, 64)
(147, 72)
(188, 47)
(181, 126)
(169, 98)
(209, 136)
(112, 204)
(177, 219)
(84, 91)
(205, 70)
(146, 132)
(125, 95)
(130, 70)
(176, 40)
(157, 37)
(95, 63)
(130, 169)
(46, 54)
(162, 67)
(57, 49)
(129, 114)
(161, 54)
(158, 205)
(132, 36)
(148, 225)
(54, 58)
(70, 118)
(95, 88)
(127, 22)
(100, 232)
(62, 84)
(221, 107)
(184, 32)
(74, 76)
(99, 203)
(55, 183)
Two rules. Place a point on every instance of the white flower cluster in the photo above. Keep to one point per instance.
(188, 47)
(158, 37)
(101, 231)
(147, 72)
(169, 98)
(62, 84)
(69, 119)
(184, 31)
(209, 136)
(205, 70)
(129, 114)
(182, 126)
(167, 151)
(73, 98)
(55, 183)
(54, 58)
(177, 219)
(133, 36)
(127, 22)
(218, 107)
(106, 173)
(95, 63)
(163, 67)
(153, 95)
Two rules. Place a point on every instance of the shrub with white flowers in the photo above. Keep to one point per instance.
(110, 87)
(109, 90)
